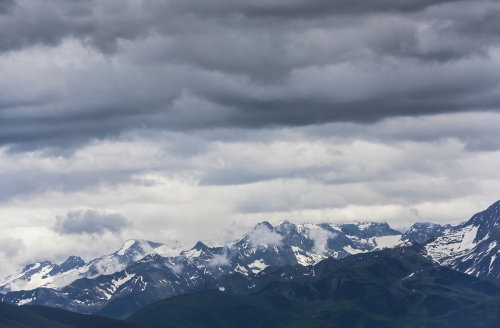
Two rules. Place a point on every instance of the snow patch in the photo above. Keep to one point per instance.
(387, 241)
(257, 266)
(117, 283)
(241, 270)
(192, 253)
(126, 246)
(468, 239)
(351, 250)
(306, 258)
(25, 301)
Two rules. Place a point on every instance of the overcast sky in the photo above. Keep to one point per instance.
(186, 120)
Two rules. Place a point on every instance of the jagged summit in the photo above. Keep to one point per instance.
(473, 247)
(487, 222)
(264, 245)
(132, 249)
(200, 250)
(126, 279)
(48, 275)
(368, 229)
(73, 262)
(424, 231)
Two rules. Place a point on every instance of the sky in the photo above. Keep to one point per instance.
(184, 120)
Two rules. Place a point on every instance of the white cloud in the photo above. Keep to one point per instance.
(11, 247)
(320, 238)
(219, 260)
(262, 236)
(176, 268)
(232, 179)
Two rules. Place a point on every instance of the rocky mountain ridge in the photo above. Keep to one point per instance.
(48, 275)
(283, 251)
(153, 277)
(473, 248)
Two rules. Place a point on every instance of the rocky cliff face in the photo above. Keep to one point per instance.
(472, 248)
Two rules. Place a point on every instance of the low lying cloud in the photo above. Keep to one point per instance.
(11, 246)
(321, 238)
(262, 236)
(90, 222)
(220, 260)
(176, 268)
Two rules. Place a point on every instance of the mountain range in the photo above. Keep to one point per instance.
(397, 287)
(143, 272)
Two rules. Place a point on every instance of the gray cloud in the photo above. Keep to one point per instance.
(188, 115)
(90, 222)
(102, 24)
(108, 67)
(6, 6)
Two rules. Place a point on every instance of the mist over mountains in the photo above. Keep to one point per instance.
(142, 272)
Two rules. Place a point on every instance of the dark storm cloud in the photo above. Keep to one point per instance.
(32, 182)
(102, 24)
(192, 64)
(90, 222)
(6, 6)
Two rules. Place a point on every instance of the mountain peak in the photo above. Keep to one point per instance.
(487, 222)
(73, 262)
(128, 245)
(73, 259)
(421, 232)
(263, 224)
(198, 250)
(368, 229)
(200, 246)
(489, 215)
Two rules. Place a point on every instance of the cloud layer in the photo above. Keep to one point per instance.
(102, 68)
(196, 120)
(11, 247)
(90, 222)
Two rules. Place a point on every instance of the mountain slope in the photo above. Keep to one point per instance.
(155, 277)
(397, 288)
(48, 275)
(473, 248)
(421, 232)
(44, 317)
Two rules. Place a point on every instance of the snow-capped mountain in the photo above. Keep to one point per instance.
(473, 248)
(142, 272)
(49, 275)
(116, 292)
(421, 232)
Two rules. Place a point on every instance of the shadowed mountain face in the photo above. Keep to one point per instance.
(29, 316)
(48, 275)
(473, 248)
(390, 288)
(421, 232)
(396, 288)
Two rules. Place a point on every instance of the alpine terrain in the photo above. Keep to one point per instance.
(143, 272)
